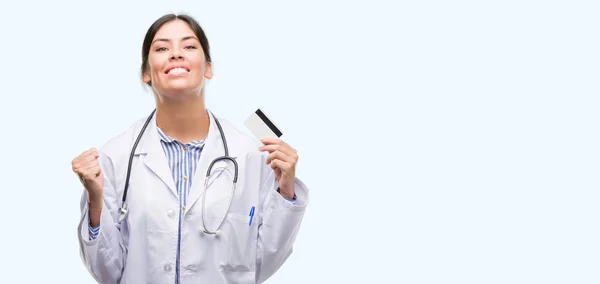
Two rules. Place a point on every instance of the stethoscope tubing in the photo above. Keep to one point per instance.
(124, 208)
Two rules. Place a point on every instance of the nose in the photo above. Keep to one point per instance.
(176, 55)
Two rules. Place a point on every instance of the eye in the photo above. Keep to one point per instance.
(161, 49)
(190, 47)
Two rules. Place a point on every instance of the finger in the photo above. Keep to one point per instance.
(85, 157)
(91, 165)
(279, 164)
(277, 147)
(87, 171)
(79, 158)
(291, 155)
(279, 155)
(84, 165)
(277, 173)
(82, 168)
(91, 173)
(272, 140)
(87, 152)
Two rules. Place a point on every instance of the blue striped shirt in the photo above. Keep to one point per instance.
(183, 160)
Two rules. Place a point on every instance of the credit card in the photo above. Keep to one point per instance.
(262, 126)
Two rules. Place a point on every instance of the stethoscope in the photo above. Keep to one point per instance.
(125, 209)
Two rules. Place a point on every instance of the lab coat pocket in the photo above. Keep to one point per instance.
(239, 251)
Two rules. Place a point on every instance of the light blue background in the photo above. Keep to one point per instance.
(444, 141)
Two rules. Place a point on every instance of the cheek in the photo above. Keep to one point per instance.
(197, 61)
(156, 66)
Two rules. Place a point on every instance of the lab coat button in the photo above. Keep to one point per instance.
(167, 267)
(171, 213)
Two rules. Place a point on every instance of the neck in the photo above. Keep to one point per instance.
(184, 121)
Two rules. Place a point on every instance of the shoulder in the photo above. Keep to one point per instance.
(114, 146)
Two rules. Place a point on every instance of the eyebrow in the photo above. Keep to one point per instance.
(168, 40)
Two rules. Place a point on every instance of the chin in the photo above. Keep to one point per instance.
(181, 91)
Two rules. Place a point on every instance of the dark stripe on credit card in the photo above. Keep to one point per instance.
(270, 124)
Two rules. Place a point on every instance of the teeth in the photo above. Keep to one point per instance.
(177, 71)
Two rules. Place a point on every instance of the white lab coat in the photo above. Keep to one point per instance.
(143, 248)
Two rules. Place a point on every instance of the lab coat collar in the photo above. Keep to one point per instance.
(153, 154)
(156, 160)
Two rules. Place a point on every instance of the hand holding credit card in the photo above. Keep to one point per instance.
(282, 158)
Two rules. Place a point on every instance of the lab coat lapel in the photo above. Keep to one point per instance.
(213, 148)
(155, 158)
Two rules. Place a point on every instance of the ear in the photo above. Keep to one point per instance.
(208, 73)
(146, 77)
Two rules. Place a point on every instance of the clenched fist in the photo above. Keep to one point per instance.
(86, 166)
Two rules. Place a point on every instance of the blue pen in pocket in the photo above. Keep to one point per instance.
(251, 215)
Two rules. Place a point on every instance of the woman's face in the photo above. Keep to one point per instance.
(176, 62)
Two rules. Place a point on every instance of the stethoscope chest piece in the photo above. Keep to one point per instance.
(203, 230)
(123, 212)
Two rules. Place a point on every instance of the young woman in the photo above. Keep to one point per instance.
(161, 203)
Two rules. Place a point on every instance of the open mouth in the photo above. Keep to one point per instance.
(177, 70)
